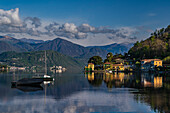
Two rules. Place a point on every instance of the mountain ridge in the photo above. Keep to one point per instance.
(60, 45)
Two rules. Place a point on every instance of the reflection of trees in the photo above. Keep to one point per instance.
(156, 95)
(158, 99)
(108, 79)
(111, 80)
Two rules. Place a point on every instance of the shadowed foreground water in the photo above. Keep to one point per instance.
(89, 92)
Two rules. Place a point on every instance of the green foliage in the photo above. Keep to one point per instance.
(109, 57)
(166, 60)
(96, 60)
(28, 59)
(152, 38)
(157, 46)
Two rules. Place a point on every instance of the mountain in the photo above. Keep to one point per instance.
(36, 58)
(31, 41)
(11, 44)
(156, 46)
(61, 46)
(70, 49)
(115, 48)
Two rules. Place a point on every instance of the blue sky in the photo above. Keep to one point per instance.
(143, 15)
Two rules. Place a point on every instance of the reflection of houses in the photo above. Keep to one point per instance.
(157, 82)
(114, 79)
(94, 79)
(151, 81)
(108, 77)
(90, 76)
(149, 64)
(114, 67)
(89, 67)
(120, 76)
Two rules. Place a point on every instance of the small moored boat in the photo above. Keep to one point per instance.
(27, 81)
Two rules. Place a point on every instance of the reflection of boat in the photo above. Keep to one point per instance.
(27, 81)
(29, 88)
(148, 84)
(48, 82)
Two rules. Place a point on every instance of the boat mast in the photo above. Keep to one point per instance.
(45, 63)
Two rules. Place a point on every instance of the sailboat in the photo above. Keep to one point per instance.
(45, 77)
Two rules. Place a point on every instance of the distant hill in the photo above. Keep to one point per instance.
(61, 46)
(37, 59)
(115, 48)
(31, 41)
(69, 48)
(12, 44)
(156, 46)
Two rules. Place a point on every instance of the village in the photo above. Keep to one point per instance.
(118, 63)
(54, 69)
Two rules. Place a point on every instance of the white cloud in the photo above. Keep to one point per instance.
(84, 34)
(10, 17)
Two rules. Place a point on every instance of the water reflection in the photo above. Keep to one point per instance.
(152, 89)
(29, 88)
(94, 92)
(125, 80)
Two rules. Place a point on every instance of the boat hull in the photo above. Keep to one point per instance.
(27, 81)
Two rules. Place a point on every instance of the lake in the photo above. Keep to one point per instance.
(89, 92)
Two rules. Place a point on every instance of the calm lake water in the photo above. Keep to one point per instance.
(89, 92)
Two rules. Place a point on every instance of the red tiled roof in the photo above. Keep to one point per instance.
(107, 63)
(90, 63)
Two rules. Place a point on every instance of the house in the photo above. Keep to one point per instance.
(154, 62)
(89, 67)
(107, 66)
(114, 67)
(118, 67)
(118, 60)
(150, 64)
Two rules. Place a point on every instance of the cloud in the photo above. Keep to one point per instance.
(34, 21)
(10, 23)
(10, 17)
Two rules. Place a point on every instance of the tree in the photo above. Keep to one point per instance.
(96, 60)
(109, 57)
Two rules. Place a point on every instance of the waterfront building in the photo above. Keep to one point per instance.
(114, 67)
(118, 67)
(118, 60)
(89, 67)
(150, 64)
(107, 66)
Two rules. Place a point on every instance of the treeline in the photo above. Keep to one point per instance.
(97, 60)
(37, 58)
(156, 46)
